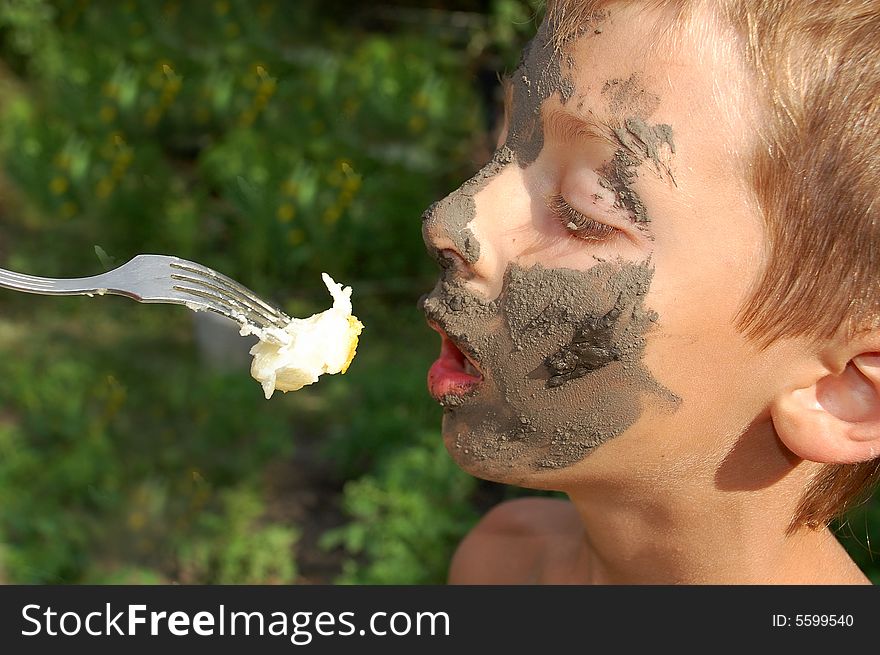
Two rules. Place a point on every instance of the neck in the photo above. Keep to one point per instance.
(700, 527)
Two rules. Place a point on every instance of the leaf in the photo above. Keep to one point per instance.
(106, 260)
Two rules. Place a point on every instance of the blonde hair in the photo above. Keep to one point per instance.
(815, 175)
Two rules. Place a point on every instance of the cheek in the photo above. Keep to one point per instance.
(705, 263)
(561, 351)
(697, 350)
(707, 257)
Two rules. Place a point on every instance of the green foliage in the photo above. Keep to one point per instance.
(511, 23)
(116, 462)
(235, 133)
(272, 141)
(387, 385)
(32, 35)
(408, 517)
(235, 549)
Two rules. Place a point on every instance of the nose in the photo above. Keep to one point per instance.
(462, 233)
(446, 228)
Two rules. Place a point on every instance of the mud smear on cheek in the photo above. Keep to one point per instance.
(561, 352)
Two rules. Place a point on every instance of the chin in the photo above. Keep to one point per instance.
(500, 458)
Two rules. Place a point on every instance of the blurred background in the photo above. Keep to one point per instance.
(271, 141)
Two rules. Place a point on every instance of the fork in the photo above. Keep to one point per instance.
(161, 279)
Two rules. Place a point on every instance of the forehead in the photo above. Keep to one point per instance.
(630, 68)
(632, 62)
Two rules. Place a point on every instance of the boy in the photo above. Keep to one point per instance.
(660, 296)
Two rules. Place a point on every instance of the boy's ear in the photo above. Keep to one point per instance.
(835, 420)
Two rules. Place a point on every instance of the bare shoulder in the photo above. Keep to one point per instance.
(511, 542)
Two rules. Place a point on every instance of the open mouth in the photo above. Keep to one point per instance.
(453, 374)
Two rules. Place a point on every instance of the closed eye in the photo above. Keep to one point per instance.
(576, 223)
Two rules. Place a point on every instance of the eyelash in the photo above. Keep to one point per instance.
(578, 224)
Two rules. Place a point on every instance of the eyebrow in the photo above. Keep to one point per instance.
(562, 124)
(567, 126)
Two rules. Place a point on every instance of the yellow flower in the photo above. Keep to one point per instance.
(265, 10)
(420, 100)
(350, 107)
(286, 212)
(118, 169)
(267, 86)
(417, 123)
(352, 184)
(69, 209)
(172, 86)
(104, 188)
(247, 117)
(137, 520)
(152, 117)
(58, 185)
(296, 237)
(107, 113)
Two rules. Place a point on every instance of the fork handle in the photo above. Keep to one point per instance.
(75, 286)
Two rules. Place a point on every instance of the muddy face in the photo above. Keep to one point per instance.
(561, 356)
(560, 350)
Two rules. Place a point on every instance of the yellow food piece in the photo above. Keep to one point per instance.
(289, 359)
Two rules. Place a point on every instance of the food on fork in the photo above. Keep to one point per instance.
(290, 358)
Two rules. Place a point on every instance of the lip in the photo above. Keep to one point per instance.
(454, 373)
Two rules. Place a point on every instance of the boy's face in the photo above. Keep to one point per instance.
(593, 269)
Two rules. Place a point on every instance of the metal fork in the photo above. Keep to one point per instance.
(161, 279)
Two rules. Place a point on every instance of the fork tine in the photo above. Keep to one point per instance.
(208, 289)
(227, 306)
(238, 291)
(229, 297)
